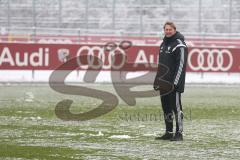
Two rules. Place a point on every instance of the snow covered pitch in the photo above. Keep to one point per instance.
(29, 128)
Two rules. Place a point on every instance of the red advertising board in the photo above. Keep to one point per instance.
(15, 56)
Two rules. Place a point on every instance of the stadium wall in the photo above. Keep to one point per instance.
(35, 62)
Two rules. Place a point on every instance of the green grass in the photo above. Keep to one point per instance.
(29, 128)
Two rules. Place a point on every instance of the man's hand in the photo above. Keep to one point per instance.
(174, 87)
(156, 87)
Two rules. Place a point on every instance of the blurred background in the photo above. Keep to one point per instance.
(202, 18)
(213, 24)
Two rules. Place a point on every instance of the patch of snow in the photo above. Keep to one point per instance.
(120, 137)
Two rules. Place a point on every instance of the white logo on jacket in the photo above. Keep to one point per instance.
(168, 50)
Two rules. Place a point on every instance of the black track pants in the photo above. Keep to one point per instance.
(171, 103)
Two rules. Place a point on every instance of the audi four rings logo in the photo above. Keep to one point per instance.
(92, 51)
(210, 60)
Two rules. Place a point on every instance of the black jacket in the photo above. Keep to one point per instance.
(173, 55)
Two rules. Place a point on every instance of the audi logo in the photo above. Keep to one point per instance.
(210, 59)
(99, 52)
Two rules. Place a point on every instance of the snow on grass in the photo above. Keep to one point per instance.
(120, 137)
(211, 133)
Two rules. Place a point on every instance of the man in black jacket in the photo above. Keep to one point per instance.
(172, 55)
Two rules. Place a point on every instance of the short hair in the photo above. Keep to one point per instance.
(170, 24)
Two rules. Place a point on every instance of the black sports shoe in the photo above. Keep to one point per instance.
(177, 137)
(166, 136)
